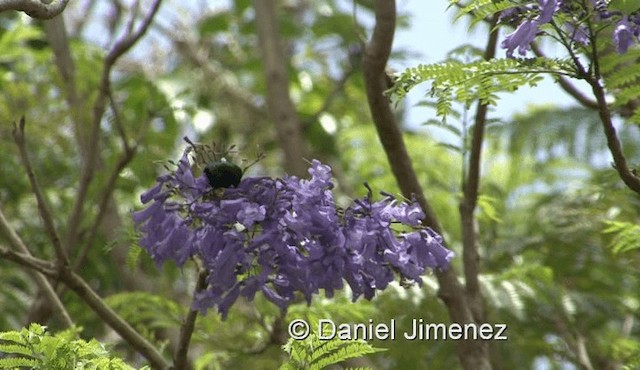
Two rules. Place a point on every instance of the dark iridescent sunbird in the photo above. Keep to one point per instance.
(223, 174)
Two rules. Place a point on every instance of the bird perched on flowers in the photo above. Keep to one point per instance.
(223, 174)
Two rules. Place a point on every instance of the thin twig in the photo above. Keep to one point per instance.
(135, 8)
(180, 360)
(43, 208)
(570, 89)
(25, 259)
(105, 197)
(88, 168)
(126, 157)
(566, 85)
(129, 151)
(82, 17)
(472, 354)
(118, 123)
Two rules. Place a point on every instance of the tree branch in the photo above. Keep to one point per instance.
(471, 183)
(281, 109)
(83, 290)
(24, 258)
(56, 34)
(629, 178)
(98, 305)
(472, 354)
(30, 262)
(615, 147)
(43, 209)
(180, 360)
(34, 8)
(374, 63)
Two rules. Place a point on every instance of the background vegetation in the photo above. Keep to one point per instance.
(109, 89)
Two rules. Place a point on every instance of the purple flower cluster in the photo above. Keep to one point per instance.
(282, 236)
(528, 19)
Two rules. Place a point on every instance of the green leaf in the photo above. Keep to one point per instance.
(625, 6)
(15, 349)
(453, 147)
(481, 9)
(17, 362)
(626, 236)
(447, 126)
(215, 23)
(486, 205)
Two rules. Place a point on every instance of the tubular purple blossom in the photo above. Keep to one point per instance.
(623, 35)
(521, 38)
(526, 32)
(549, 7)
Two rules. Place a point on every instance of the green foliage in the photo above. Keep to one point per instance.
(455, 81)
(622, 78)
(148, 313)
(248, 330)
(133, 256)
(549, 133)
(627, 351)
(487, 206)
(35, 348)
(510, 290)
(333, 308)
(626, 6)
(626, 236)
(547, 187)
(314, 353)
(13, 296)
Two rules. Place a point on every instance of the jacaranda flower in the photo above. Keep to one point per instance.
(526, 32)
(623, 35)
(283, 237)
